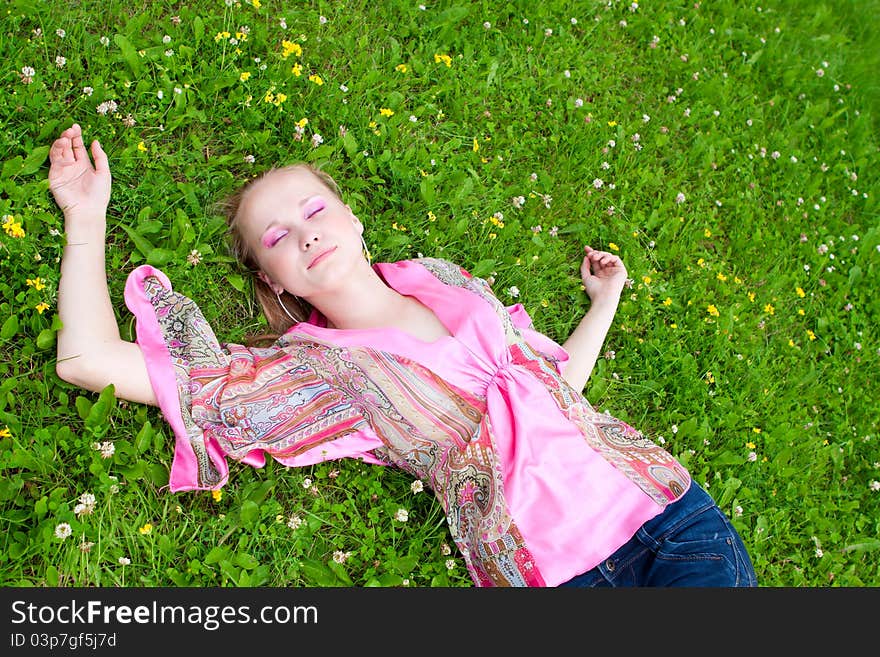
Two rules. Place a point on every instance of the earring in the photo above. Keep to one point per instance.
(284, 308)
(366, 250)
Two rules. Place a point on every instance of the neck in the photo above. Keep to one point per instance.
(362, 301)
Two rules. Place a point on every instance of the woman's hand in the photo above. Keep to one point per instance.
(603, 274)
(80, 189)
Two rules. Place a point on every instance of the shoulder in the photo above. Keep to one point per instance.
(446, 270)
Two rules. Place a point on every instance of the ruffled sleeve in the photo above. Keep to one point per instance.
(229, 400)
(545, 346)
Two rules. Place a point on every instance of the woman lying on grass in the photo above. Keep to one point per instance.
(414, 364)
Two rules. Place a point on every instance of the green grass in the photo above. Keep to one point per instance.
(788, 164)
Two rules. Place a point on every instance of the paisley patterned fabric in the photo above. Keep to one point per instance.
(304, 392)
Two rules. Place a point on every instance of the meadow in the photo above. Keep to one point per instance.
(727, 151)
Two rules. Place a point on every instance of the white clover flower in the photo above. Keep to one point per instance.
(60, 61)
(680, 198)
(63, 530)
(417, 486)
(445, 550)
(124, 561)
(513, 291)
(307, 483)
(88, 91)
(294, 522)
(341, 557)
(738, 511)
(166, 39)
(450, 564)
(317, 140)
(61, 33)
(104, 41)
(402, 515)
(597, 183)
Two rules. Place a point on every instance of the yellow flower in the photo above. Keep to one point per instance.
(432, 216)
(492, 236)
(36, 283)
(297, 69)
(303, 122)
(647, 280)
(701, 262)
(667, 301)
(737, 280)
(811, 335)
(721, 277)
(316, 79)
(611, 124)
(217, 495)
(800, 311)
(752, 297)
(791, 342)
(545, 303)
(41, 307)
(256, 3)
(768, 308)
(244, 76)
(446, 59)
(384, 111)
(800, 292)
(750, 445)
(5, 433)
(613, 246)
(241, 36)
(712, 310)
(221, 35)
(401, 68)
(289, 48)
(146, 529)
(12, 227)
(707, 233)
(280, 98)
(476, 145)
(673, 325)
(269, 97)
(142, 147)
(756, 429)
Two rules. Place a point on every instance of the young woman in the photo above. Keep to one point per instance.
(415, 364)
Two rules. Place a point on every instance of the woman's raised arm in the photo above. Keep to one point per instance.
(91, 353)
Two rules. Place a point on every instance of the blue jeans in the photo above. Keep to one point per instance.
(691, 543)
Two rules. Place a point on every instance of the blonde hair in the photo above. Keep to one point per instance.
(230, 207)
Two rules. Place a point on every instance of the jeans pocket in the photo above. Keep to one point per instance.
(704, 551)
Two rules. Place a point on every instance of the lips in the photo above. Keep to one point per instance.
(321, 256)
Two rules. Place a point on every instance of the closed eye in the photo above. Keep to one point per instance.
(314, 208)
(274, 238)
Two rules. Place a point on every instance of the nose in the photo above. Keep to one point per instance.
(310, 240)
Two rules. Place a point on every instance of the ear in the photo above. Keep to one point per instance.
(277, 289)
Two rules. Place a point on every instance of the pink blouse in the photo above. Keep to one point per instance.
(572, 506)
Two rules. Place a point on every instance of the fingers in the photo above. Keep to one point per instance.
(101, 163)
(79, 148)
(602, 258)
(61, 151)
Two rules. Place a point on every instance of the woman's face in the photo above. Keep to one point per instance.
(306, 240)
